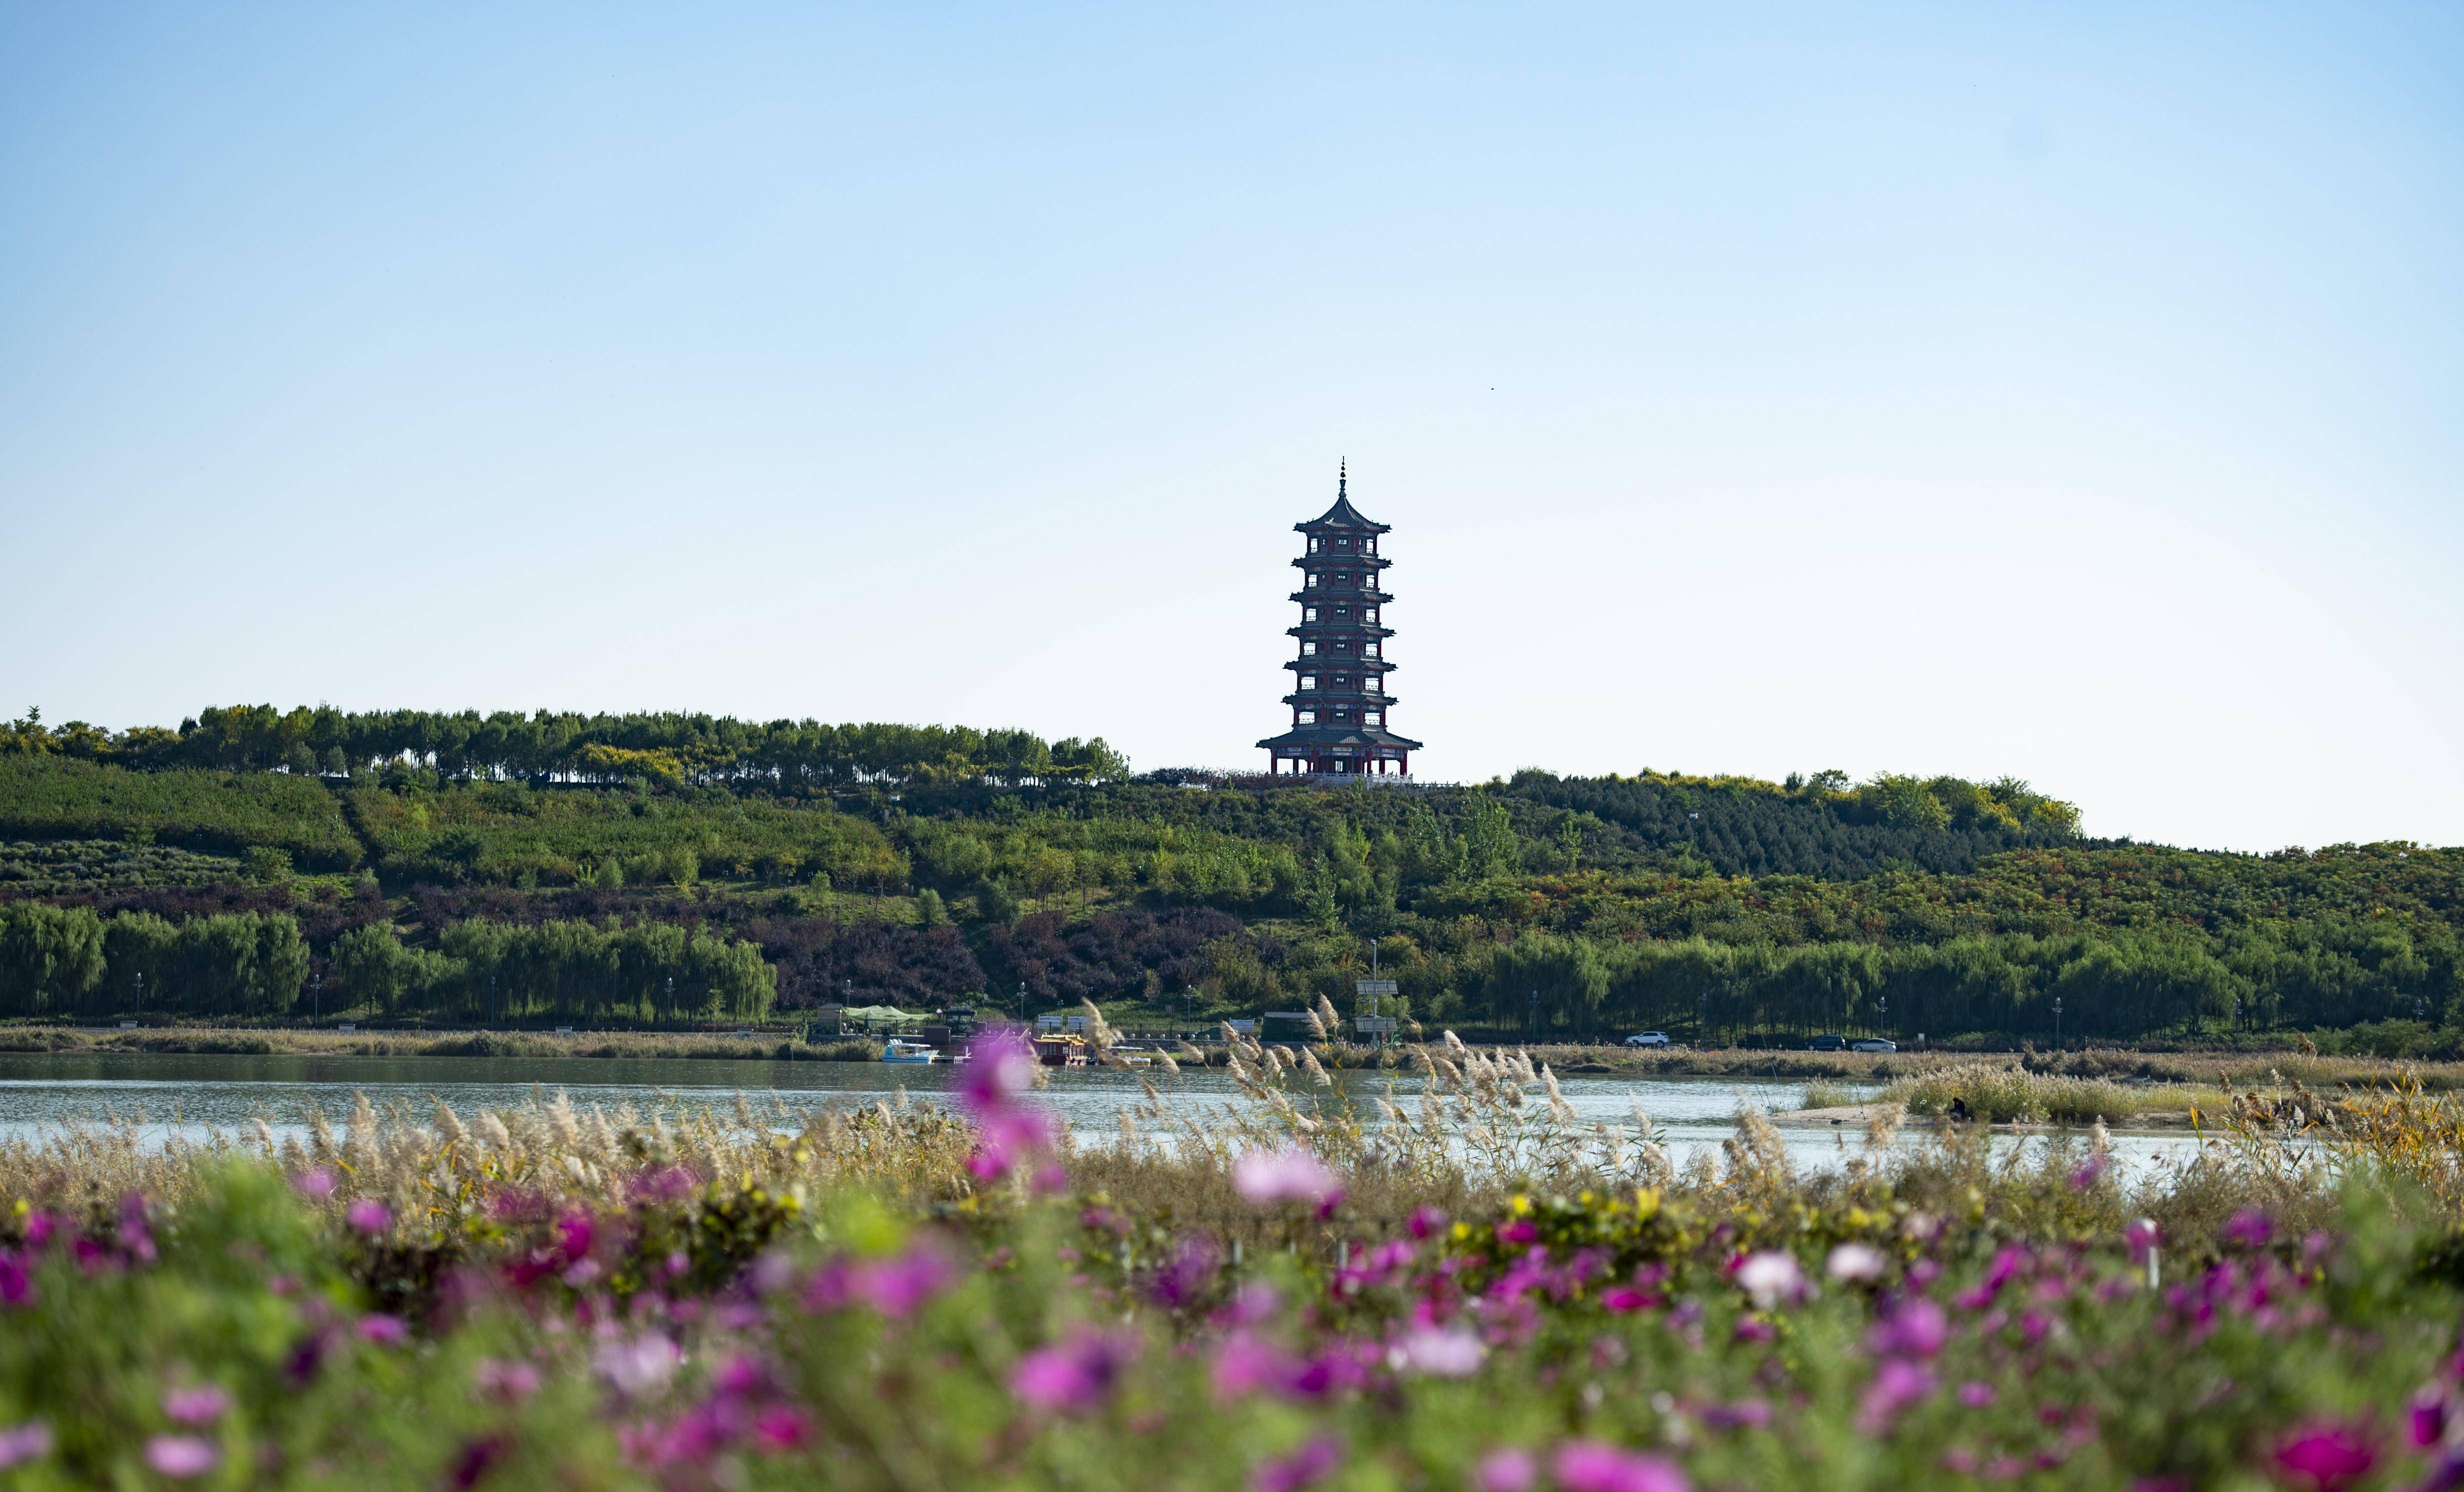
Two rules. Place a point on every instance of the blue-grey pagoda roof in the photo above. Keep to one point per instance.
(1343, 515)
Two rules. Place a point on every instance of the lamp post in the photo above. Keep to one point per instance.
(315, 999)
(2058, 1023)
(671, 1000)
(1702, 1019)
(1531, 1024)
(141, 996)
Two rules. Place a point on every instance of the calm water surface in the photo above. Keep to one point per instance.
(194, 1096)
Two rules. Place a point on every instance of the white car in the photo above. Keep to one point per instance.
(1873, 1043)
(1648, 1038)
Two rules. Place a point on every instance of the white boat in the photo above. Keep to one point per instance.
(908, 1053)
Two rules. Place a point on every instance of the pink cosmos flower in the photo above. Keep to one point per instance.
(1074, 1376)
(512, 1382)
(369, 1216)
(1977, 1395)
(24, 1442)
(1506, 1470)
(1244, 1364)
(1623, 1299)
(1770, 1277)
(1592, 1466)
(896, 1287)
(201, 1406)
(1300, 1469)
(383, 1330)
(1267, 1177)
(2332, 1456)
(315, 1185)
(16, 1286)
(1855, 1263)
(181, 1456)
(1427, 1223)
(2084, 1179)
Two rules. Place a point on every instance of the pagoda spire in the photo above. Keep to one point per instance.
(1342, 478)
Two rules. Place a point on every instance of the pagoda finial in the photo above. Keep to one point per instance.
(1342, 476)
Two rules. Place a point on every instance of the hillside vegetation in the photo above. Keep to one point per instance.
(906, 866)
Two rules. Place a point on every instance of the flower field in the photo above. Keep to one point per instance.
(1274, 1294)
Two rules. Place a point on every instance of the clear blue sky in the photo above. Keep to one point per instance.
(2069, 391)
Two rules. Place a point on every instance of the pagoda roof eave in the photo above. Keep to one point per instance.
(1338, 735)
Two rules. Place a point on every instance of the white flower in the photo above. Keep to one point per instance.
(1855, 1262)
(1770, 1278)
(1439, 1353)
(640, 1366)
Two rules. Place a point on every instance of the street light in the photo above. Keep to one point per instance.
(315, 999)
(141, 996)
(2058, 1023)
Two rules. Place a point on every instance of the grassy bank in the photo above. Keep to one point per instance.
(215, 1041)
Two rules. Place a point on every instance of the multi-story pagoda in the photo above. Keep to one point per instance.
(1339, 702)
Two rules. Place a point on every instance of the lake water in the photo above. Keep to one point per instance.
(196, 1095)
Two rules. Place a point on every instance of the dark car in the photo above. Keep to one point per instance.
(1827, 1044)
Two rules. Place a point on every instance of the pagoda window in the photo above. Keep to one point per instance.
(1373, 616)
(1308, 613)
(1308, 717)
(1312, 580)
(1372, 717)
(1308, 680)
(1308, 649)
(1343, 611)
(1343, 543)
(1341, 679)
(1373, 647)
(1372, 685)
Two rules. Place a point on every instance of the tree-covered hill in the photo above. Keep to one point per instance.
(478, 863)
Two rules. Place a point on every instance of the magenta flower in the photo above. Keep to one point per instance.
(1074, 1376)
(1976, 1394)
(383, 1330)
(1592, 1466)
(24, 1442)
(1897, 1384)
(315, 1185)
(2426, 1417)
(1300, 1469)
(1915, 1327)
(999, 1067)
(2332, 1456)
(2250, 1228)
(195, 1405)
(2142, 1236)
(1427, 1223)
(897, 1288)
(1506, 1470)
(16, 1286)
(181, 1456)
(1265, 1178)
(1623, 1299)
(780, 1427)
(369, 1216)
(2085, 1177)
